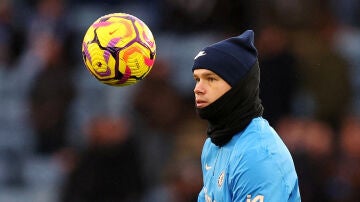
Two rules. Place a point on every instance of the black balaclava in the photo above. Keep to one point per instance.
(234, 60)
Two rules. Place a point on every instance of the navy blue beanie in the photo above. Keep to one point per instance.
(231, 58)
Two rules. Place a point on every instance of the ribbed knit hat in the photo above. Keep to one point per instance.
(231, 58)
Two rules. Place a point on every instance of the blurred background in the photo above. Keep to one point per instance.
(65, 137)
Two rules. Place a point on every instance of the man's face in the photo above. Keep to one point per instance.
(209, 87)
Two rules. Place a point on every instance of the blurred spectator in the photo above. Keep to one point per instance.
(181, 176)
(347, 11)
(311, 27)
(292, 130)
(50, 97)
(346, 40)
(185, 17)
(345, 183)
(49, 17)
(225, 16)
(52, 91)
(178, 51)
(278, 73)
(319, 67)
(12, 91)
(109, 168)
(158, 110)
(15, 141)
(311, 143)
(11, 37)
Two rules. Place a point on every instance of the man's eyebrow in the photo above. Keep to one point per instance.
(205, 74)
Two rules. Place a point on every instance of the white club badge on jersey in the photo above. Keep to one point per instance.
(221, 179)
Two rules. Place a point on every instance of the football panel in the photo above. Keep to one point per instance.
(102, 63)
(89, 35)
(115, 32)
(145, 35)
(137, 58)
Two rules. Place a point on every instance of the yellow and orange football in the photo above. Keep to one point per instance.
(119, 49)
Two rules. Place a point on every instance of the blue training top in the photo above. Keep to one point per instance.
(254, 166)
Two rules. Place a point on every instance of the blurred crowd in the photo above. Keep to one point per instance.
(65, 137)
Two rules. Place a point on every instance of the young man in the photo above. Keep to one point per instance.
(243, 158)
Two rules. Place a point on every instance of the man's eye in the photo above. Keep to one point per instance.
(211, 79)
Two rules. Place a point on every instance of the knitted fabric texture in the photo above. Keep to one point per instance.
(231, 58)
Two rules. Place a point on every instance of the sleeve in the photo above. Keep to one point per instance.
(201, 196)
(257, 177)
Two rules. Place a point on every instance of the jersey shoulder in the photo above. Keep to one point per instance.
(261, 161)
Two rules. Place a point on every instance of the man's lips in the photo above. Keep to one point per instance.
(200, 103)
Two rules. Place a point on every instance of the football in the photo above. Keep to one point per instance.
(119, 49)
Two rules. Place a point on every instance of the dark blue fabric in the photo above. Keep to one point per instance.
(231, 58)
